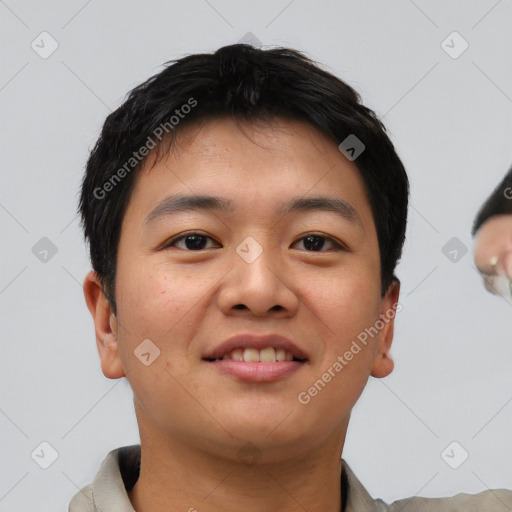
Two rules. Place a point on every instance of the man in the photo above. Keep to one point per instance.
(492, 229)
(245, 215)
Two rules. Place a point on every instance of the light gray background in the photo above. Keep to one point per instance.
(451, 121)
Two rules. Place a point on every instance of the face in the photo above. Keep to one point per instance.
(264, 260)
(493, 245)
(493, 254)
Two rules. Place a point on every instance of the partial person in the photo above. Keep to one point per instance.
(492, 232)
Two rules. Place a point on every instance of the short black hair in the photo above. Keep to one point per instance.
(498, 203)
(249, 84)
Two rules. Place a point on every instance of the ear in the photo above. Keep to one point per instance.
(105, 324)
(383, 364)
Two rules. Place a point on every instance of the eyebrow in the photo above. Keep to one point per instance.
(323, 203)
(179, 203)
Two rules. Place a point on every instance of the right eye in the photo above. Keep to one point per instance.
(192, 241)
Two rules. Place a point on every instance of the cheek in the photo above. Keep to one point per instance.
(348, 306)
(158, 305)
(346, 302)
(155, 299)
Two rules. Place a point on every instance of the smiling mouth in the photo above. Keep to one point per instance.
(253, 355)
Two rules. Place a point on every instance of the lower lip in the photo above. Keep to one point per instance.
(257, 372)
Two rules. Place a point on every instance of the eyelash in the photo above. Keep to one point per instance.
(337, 245)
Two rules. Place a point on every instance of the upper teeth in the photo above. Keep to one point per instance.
(267, 355)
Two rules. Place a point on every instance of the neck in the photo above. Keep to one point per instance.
(175, 476)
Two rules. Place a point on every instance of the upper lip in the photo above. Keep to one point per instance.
(259, 342)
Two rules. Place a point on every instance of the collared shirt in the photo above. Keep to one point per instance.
(120, 470)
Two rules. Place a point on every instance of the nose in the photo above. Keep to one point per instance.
(257, 287)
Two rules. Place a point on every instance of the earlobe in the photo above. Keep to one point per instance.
(383, 364)
(105, 325)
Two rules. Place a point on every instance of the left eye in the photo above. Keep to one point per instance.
(317, 242)
(192, 241)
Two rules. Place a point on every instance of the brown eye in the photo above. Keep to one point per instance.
(315, 243)
(190, 242)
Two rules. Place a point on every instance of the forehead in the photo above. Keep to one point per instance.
(253, 164)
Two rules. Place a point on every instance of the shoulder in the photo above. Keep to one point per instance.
(497, 500)
(82, 501)
(358, 499)
(117, 473)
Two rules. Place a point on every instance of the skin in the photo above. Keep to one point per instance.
(191, 415)
(494, 240)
